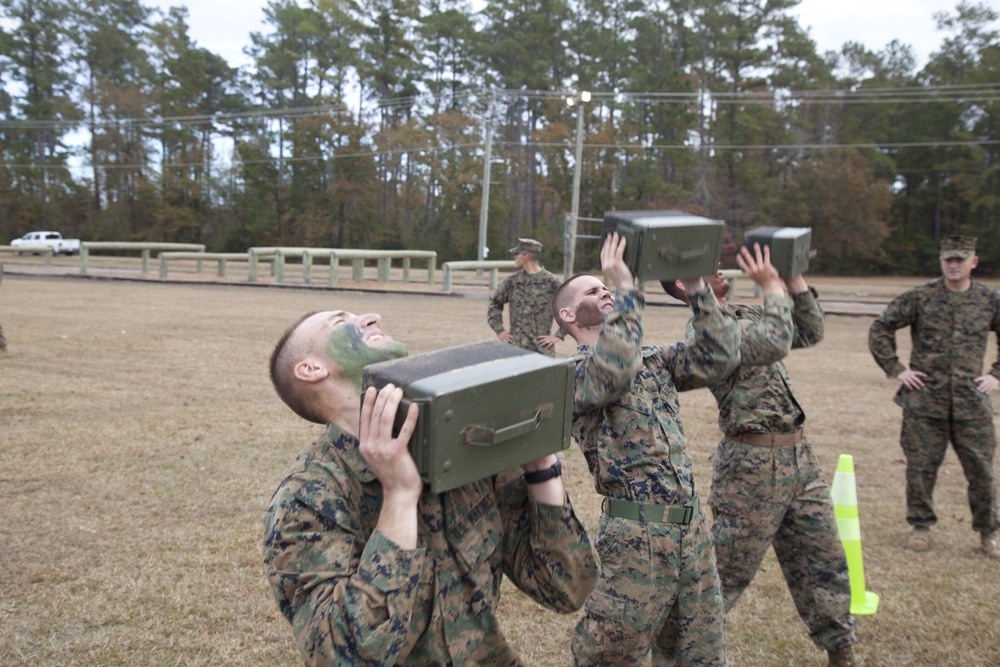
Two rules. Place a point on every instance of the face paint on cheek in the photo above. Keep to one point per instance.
(347, 347)
(588, 314)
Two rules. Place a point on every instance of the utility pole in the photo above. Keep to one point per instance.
(484, 205)
(574, 214)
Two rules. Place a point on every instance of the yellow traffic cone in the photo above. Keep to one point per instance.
(845, 506)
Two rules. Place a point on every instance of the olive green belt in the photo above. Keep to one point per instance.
(769, 439)
(625, 509)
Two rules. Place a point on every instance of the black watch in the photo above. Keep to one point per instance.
(545, 474)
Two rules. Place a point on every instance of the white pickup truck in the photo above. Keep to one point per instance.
(52, 239)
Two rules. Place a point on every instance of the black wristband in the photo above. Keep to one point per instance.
(545, 474)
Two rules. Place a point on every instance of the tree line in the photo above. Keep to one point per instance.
(367, 123)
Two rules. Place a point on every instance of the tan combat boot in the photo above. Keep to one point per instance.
(920, 540)
(842, 657)
(990, 547)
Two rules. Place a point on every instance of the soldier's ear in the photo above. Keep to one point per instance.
(311, 369)
(567, 315)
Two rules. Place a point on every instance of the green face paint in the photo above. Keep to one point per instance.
(347, 347)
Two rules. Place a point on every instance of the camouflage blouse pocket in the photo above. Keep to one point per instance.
(477, 537)
(974, 324)
(633, 402)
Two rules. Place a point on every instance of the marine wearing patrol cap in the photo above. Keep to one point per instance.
(527, 245)
(963, 247)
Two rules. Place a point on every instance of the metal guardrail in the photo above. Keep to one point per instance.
(143, 247)
(494, 266)
(221, 257)
(31, 249)
(334, 255)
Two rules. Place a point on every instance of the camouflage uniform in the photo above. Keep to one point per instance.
(776, 494)
(354, 597)
(658, 580)
(949, 331)
(530, 299)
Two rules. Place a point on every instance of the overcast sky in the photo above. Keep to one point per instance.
(224, 26)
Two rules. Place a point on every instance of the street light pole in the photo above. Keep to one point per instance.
(574, 213)
(484, 205)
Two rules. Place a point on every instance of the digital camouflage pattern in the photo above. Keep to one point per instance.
(925, 441)
(354, 597)
(530, 299)
(656, 578)
(777, 496)
(649, 569)
(949, 331)
(757, 396)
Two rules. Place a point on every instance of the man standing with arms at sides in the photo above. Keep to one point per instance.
(944, 394)
(767, 486)
(369, 566)
(658, 576)
(529, 293)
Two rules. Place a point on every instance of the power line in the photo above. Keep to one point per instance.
(958, 93)
(163, 166)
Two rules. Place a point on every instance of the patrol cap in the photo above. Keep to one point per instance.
(963, 247)
(527, 245)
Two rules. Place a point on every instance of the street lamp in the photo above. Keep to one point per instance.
(574, 213)
(484, 204)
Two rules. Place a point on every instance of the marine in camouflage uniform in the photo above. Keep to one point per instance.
(658, 574)
(768, 488)
(944, 394)
(529, 293)
(356, 596)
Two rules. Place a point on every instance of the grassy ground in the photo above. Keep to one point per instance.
(140, 441)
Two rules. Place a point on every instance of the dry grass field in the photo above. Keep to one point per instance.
(140, 442)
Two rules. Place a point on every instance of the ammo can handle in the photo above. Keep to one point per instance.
(666, 252)
(484, 436)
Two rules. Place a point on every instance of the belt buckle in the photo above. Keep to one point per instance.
(688, 515)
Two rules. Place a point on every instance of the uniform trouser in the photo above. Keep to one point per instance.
(925, 441)
(658, 584)
(3, 341)
(778, 496)
(527, 343)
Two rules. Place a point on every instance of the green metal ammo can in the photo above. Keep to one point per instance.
(667, 245)
(484, 407)
(790, 247)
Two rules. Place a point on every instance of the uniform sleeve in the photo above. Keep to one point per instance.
(714, 350)
(349, 603)
(901, 312)
(808, 319)
(995, 328)
(494, 311)
(767, 339)
(607, 374)
(548, 553)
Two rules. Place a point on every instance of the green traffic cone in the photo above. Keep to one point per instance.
(845, 506)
